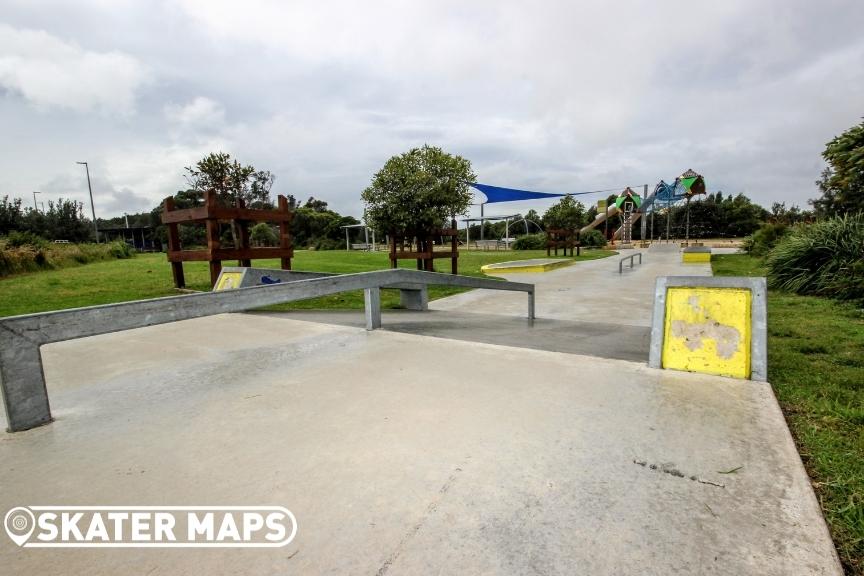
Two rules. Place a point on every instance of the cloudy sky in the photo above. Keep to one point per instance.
(561, 96)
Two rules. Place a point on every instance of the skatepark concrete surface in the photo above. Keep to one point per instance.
(405, 453)
(589, 291)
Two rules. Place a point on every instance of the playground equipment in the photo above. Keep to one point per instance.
(211, 214)
(664, 196)
(506, 240)
(627, 203)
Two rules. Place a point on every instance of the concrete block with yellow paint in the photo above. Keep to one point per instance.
(710, 325)
(696, 254)
(708, 330)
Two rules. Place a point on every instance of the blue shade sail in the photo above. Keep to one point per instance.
(497, 194)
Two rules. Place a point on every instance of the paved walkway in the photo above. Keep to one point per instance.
(408, 454)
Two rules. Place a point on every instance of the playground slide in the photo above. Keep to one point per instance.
(612, 211)
(600, 218)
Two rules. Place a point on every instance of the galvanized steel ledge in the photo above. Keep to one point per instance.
(22, 380)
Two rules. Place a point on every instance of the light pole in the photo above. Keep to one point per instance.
(35, 207)
(92, 207)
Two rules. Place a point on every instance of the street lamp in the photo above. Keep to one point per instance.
(35, 207)
(92, 207)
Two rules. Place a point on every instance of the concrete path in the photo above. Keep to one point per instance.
(405, 454)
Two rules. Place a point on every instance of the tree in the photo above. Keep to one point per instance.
(418, 191)
(230, 180)
(567, 214)
(263, 234)
(316, 205)
(534, 220)
(11, 215)
(842, 182)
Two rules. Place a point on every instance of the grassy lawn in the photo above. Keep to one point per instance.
(816, 366)
(149, 276)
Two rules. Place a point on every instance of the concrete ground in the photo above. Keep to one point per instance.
(589, 309)
(590, 291)
(402, 453)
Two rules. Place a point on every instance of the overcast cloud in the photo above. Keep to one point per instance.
(550, 96)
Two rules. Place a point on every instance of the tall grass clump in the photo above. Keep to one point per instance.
(823, 259)
(24, 252)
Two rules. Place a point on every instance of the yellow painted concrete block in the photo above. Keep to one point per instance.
(708, 330)
(229, 280)
(696, 257)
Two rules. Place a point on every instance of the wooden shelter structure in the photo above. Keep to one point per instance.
(420, 246)
(211, 214)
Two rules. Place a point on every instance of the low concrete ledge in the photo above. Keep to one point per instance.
(22, 380)
(533, 265)
(696, 254)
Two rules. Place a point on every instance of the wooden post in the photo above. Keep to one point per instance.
(454, 248)
(174, 246)
(429, 249)
(284, 232)
(213, 243)
(242, 235)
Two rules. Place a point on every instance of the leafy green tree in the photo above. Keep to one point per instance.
(567, 214)
(263, 234)
(419, 190)
(316, 205)
(230, 180)
(842, 183)
(11, 215)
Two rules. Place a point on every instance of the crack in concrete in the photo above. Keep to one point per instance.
(17, 334)
(669, 468)
(430, 509)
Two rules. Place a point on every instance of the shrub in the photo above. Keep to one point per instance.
(263, 234)
(120, 250)
(326, 244)
(765, 238)
(592, 239)
(18, 239)
(530, 242)
(30, 258)
(826, 259)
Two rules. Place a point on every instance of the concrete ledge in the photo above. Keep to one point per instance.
(534, 265)
(758, 353)
(696, 254)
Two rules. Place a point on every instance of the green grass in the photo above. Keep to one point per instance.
(816, 366)
(149, 276)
